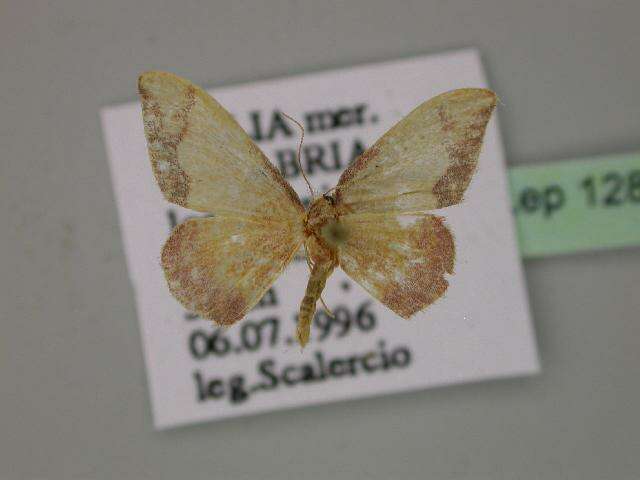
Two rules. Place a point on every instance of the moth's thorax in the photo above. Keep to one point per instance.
(323, 230)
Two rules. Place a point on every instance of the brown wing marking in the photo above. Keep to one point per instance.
(165, 130)
(463, 151)
(424, 283)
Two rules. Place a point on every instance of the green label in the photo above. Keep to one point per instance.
(575, 205)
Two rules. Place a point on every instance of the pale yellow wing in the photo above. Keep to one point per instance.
(220, 267)
(425, 161)
(400, 260)
(397, 251)
(203, 160)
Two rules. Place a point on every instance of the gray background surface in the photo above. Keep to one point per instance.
(73, 399)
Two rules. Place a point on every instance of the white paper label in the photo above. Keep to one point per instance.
(480, 329)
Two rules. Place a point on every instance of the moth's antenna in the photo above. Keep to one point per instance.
(331, 190)
(300, 152)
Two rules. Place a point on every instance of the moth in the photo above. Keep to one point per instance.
(377, 224)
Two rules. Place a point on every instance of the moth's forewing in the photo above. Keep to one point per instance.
(218, 267)
(401, 260)
(396, 250)
(425, 161)
(203, 160)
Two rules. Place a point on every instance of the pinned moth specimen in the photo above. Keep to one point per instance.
(375, 224)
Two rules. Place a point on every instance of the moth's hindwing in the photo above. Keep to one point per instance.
(220, 267)
(399, 260)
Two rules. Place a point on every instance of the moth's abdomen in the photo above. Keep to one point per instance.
(317, 281)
